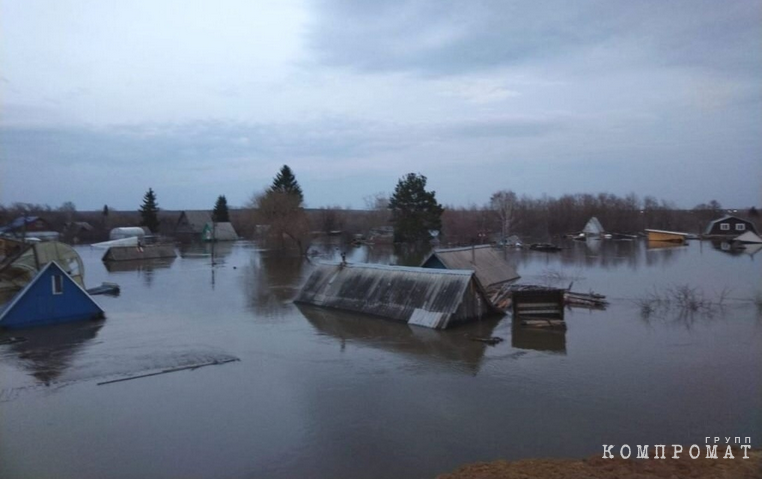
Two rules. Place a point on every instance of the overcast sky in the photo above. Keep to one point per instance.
(103, 99)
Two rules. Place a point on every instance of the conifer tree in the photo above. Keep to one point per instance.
(220, 213)
(285, 182)
(149, 211)
(415, 211)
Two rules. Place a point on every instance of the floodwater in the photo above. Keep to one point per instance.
(317, 393)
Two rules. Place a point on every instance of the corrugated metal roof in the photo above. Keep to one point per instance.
(487, 262)
(393, 292)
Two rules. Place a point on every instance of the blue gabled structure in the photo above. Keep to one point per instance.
(51, 297)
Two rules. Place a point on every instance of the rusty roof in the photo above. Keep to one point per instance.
(489, 264)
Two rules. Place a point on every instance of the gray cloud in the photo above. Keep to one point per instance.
(454, 37)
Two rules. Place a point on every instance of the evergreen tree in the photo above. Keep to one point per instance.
(149, 211)
(285, 182)
(415, 211)
(220, 213)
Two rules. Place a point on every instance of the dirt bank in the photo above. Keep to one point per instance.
(598, 468)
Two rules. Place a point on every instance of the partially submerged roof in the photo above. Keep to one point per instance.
(434, 298)
(593, 227)
(748, 237)
(219, 232)
(488, 263)
(130, 253)
(51, 297)
(193, 221)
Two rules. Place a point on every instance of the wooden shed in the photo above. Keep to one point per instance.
(729, 226)
(488, 263)
(434, 298)
(51, 297)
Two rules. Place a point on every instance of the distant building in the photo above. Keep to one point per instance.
(729, 226)
(78, 232)
(30, 227)
(219, 232)
(190, 225)
(593, 228)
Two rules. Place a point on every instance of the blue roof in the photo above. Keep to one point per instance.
(19, 222)
(38, 303)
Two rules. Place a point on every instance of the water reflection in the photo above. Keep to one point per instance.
(737, 249)
(538, 339)
(598, 253)
(452, 348)
(143, 268)
(49, 351)
(271, 282)
(220, 250)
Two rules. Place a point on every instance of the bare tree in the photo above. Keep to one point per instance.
(282, 212)
(377, 208)
(503, 203)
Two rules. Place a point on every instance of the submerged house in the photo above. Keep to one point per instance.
(30, 227)
(190, 225)
(434, 298)
(219, 232)
(729, 226)
(488, 264)
(51, 297)
(593, 228)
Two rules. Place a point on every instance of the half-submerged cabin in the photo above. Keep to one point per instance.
(51, 297)
(729, 226)
(435, 298)
(190, 225)
(488, 263)
(219, 232)
(593, 228)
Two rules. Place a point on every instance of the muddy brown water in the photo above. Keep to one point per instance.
(319, 393)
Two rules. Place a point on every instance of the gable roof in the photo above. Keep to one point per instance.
(485, 261)
(593, 226)
(88, 307)
(194, 220)
(712, 224)
(424, 296)
(222, 232)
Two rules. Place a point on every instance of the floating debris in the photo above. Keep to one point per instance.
(172, 370)
(492, 340)
(110, 289)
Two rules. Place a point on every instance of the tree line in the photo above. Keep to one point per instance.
(278, 214)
